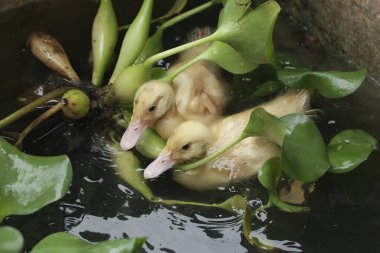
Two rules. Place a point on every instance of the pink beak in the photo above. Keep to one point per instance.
(162, 163)
(132, 134)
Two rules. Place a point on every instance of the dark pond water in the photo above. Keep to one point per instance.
(345, 209)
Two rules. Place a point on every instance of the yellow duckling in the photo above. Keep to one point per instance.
(199, 93)
(193, 140)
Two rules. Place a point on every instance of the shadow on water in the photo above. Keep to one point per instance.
(345, 211)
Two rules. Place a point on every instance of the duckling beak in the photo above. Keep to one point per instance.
(162, 163)
(132, 134)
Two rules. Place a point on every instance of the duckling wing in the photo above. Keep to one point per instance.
(201, 93)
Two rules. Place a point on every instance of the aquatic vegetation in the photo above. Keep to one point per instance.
(241, 43)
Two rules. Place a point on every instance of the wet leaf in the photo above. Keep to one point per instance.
(249, 31)
(330, 84)
(269, 176)
(30, 182)
(11, 240)
(349, 149)
(304, 155)
(128, 168)
(268, 88)
(65, 243)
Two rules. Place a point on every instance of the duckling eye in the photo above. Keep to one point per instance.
(152, 108)
(185, 147)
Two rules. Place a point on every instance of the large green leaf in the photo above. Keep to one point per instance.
(249, 31)
(304, 155)
(331, 84)
(349, 149)
(30, 182)
(262, 123)
(11, 240)
(65, 243)
(218, 52)
(269, 175)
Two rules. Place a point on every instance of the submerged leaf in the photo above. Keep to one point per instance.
(65, 243)
(331, 84)
(11, 240)
(30, 182)
(349, 149)
(269, 176)
(304, 154)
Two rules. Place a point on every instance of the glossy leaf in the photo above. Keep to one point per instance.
(30, 182)
(65, 243)
(249, 31)
(218, 52)
(128, 168)
(268, 88)
(11, 240)
(330, 84)
(269, 176)
(152, 46)
(348, 149)
(262, 123)
(304, 155)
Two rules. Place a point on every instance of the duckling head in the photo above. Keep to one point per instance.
(189, 141)
(152, 100)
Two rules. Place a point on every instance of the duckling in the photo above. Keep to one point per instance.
(193, 140)
(199, 93)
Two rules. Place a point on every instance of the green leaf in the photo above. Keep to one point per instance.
(269, 175)
(330, 84)
(158, 73)
(262, 123)
(30, 182)
(218, 52)
(177, 7)
(349, 149)
(268, 88)
(152, 46)
(304, 155)
(65, 243)
(249, 31)
(11, 240)
(128, 168)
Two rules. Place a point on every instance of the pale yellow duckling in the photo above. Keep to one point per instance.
(199, 93)
(193, 140)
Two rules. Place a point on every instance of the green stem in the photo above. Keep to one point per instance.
(180, 17)
(170, 76)
(196, 164)
(56, 108)
(151, 60)
(31, 106)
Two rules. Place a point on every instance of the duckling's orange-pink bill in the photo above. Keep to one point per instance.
(162, 163)
(132, 134)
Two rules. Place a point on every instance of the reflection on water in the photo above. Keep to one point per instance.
(345, 209)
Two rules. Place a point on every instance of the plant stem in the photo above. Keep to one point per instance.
(170, 76)
(196, 164)
(56, 108)
(151, 60)
(180, 17)
(31, 106)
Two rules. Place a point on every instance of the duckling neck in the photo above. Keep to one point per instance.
(165, 125)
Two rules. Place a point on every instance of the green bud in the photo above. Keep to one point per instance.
(104, 38)
(134, 39)
(78, 104)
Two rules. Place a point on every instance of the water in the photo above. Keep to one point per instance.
(344, 214)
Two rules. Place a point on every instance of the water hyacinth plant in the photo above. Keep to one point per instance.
(241, 43)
